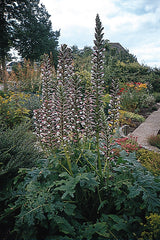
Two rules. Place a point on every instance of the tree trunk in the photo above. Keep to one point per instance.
(4, 77)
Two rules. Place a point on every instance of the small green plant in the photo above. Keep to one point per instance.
(154, 140)
(150, 160)
(152, 227)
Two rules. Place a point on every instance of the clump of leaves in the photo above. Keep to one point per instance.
(150, 160)
(56, 205)
(154, 140)
(32, 102)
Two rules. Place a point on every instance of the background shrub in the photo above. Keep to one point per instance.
(157, 96)
(151, 227)
(32, 102)
(130, 118)
(135, 96)
(25, 77)
(12, 111)
(150, 160)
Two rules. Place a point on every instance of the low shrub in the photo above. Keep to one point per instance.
(154, 140)
(135, 96)
(12, 111)
(32, 102)
(130, 118)
(156, 96)
(150, 160)
(17, 150)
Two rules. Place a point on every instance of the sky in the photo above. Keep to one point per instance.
(135, 24)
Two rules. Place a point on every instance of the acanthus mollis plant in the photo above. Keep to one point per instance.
(75, 102)
(88, 115)
(61, 99)
(98, 83)
(48, 78)
(105, 144)
(43, 117)
(113, 117)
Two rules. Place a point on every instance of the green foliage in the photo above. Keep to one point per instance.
(85, 77)
(152, 227)
(32, 102)
(17, 150)
(131, 115)
(56, 205)
(157, 96)
(82, 58)
(11, 110)
(106, 101)
(149, 159)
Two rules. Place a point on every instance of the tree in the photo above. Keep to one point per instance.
(6, 32)
(34, 35)
(25, 25)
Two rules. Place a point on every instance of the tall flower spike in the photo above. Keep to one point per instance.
(43, 116)
(64, 76)
(113, 117)
(97, 73)
(88, 115)
(76, 107)
(48, 84)
(98, 82)
(106, 137)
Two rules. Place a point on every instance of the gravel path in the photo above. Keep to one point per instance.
(151, 126)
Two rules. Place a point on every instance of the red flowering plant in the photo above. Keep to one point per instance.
(129, 144)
